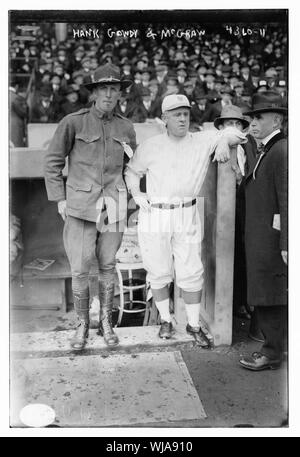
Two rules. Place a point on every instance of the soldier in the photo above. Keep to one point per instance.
(94, 206)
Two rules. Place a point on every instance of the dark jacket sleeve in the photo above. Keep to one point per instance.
(20, 107)
(281, 185)
(55, 159)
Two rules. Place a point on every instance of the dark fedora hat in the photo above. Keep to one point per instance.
(145, 92)
(199, 94)
(71, 89)
(266, 102)
(227, 90)
(45, 91)
(107, 73)
(231, 112)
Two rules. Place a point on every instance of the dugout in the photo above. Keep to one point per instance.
(42, 227)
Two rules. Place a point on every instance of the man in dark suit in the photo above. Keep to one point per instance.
(227, 95)
(246, 78)
(146, 108)
(266, 229)
(72, 102)
(126, 106)
(18, 116)
(44, 110)
(201, 110)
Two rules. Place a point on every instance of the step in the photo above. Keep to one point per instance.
(37, 343)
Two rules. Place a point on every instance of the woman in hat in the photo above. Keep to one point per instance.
(231, 116)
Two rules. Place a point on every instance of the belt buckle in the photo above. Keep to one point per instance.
(172, 206)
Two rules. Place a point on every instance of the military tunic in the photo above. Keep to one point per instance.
(95, 146)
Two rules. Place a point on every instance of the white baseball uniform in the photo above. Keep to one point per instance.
(170, 239)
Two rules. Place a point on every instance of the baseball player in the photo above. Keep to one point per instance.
(175, 164)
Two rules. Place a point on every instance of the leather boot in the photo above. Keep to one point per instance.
(106, 297)
(81, 305)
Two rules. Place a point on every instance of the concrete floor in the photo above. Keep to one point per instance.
(231, 396)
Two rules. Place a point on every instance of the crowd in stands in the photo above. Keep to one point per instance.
(212, 70)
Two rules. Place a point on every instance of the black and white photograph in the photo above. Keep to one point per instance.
(148, 223)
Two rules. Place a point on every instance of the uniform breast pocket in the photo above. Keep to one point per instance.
(87, 148)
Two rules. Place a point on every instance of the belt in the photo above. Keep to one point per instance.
(173, 205)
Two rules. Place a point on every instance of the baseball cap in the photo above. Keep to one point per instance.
(174, 101)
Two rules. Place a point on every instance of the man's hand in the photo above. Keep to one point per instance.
(222, 151)
(284, 255)
(62, 208)
(141, 199)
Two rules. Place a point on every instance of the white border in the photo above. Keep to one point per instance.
(294, 103)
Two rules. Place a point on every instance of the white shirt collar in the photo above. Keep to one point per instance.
(267, 138)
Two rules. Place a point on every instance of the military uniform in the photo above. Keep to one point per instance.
(96, 146)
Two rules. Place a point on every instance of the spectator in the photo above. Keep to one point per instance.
(27, 63)
(43, 109)
(78, 80)
(77, 58)
(63, 59)
(246, 97)
(57, 89)
(93, 63)
(201, 73)
(18, 115)
(226, 99)
(58, 70)
(238, 100)
(246, 78)
(209, 84)
(226, 72)
(189, 90)
(282, 90)
(146, 108)
(72, 104)
(160, 73)
(44, 66)
(126, 106)
(201, 110)
(86, 65)
(181, 73)
(172, 85)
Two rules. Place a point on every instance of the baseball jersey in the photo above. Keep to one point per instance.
(176, 169)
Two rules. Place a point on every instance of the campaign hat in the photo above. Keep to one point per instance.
(107, 73)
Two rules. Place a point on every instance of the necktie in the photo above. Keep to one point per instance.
(260, 148)
(259, 155)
